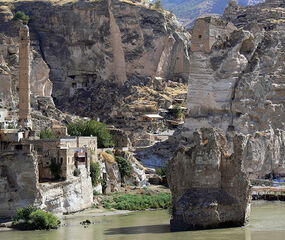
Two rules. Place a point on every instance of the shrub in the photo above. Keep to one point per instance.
(95, 172)
(55, 169)
(104, 184)
(125, 166)
(94, 128)
(95, 193)
(24, 213)
(21, 16)
(31, 218)
(42, 220)
(47, 134)
(109, 152)
(76, 172)
(163, 170)
(158, 4)
(11, 126)
(177, 111)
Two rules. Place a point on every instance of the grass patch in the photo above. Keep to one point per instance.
(139, 201)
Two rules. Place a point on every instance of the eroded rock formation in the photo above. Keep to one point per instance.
(210, 187)
(237, 81)
(98, 50)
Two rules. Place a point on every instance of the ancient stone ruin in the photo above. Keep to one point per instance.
(210, 187)
(24, 78)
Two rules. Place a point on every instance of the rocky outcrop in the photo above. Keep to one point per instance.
(112, 173)
(264, 154)
(237, 81)
(70, 196)
(19, 185)
(210, 187)
(105, 59)
(137, 176)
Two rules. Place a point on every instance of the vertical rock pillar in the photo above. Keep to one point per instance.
(24, 78)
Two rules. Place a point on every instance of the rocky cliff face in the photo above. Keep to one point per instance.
(41, 86)
(237, 80)
(97, 50)
(100, 56)
(210, 187)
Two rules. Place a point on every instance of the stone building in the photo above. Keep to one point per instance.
(27, 174)
(207, 31)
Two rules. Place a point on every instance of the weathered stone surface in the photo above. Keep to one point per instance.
(264, 154)
(113, 176)
(210, 187)
(19, 186)
(137, 176)
(69, 196)
(104, 47)
(40, 85)
(238, 83)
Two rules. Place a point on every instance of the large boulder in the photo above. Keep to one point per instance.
(210, 187)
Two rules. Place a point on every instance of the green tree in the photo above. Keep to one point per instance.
(125, 166)
(21, 16)
(158, 4)
(163, 170)
(47, 133)
(92, 128)
(95, 172)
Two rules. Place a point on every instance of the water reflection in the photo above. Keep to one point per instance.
(162, 228)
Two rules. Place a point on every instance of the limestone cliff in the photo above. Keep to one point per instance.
(97, 50)
(99, 56)
(41, 86)
(237, 81)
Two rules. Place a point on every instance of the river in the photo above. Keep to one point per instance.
(267, 222)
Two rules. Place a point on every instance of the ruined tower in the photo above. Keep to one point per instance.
(24, 78)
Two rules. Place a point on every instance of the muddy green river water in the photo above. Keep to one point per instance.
(267, 222)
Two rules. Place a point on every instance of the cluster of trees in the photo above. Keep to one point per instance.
(92, 128)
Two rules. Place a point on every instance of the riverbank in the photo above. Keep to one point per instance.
(268, 193)
(267, 221)
(260, 195)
